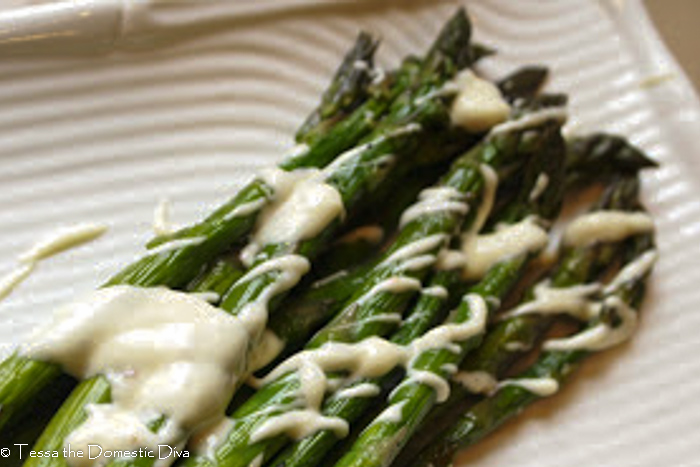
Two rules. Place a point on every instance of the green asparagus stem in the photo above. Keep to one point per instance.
(510, 400)
(599, 156)
(524, 83)
(348, 89)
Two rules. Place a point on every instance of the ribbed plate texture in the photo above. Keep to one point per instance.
(191, 115)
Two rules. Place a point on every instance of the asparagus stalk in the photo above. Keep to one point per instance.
(510, 400)
(599, 156)
(524, 83)
(349, 88)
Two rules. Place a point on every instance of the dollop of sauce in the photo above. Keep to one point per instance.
(606, 226)
(56, 242)
(303, 205)
(479, 105)
(163, 353)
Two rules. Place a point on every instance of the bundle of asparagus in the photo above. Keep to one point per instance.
(362, 290)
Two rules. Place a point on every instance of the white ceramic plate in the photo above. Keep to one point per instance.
(195, 96)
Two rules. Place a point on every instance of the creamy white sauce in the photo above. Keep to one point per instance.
(205, 442)
(484, 251)
(351, 155)
(246, 209)
(392, 414)
(418, 263)
(374, 357)
(395, 318)
(14, 278)
(436, 291)
(116, 430)
(163, 352)
(416, 248)
(541, 387)
(298, 424)
(398, 284)
(449, 260)
(291, 268)
(531, 120)
(358, 390)
(479, 104)
(361, 65)
(517, 346)
(601, 336)
(606, 226)
(330, 278)
(579, 301)
(258, 461)
(488, 197)
(368, 233)
(575, 301)
(267, 349)
(57, 242)
(450, 88)
(633, 271)
(209, 297)
(176, 244)
(481, 382)
(379, 75)
(449, 368)
(303, 204)
(447, 336)
(540, 186)
(162, 224)
(296, 151)
(435, 200)
(457, 259)
(476, 382)
(370, 358)
(439, 384)
(61, 240)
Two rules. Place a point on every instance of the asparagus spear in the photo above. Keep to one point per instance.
(524, 83)
(601, 155)
(348, 89)
(510, 399)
